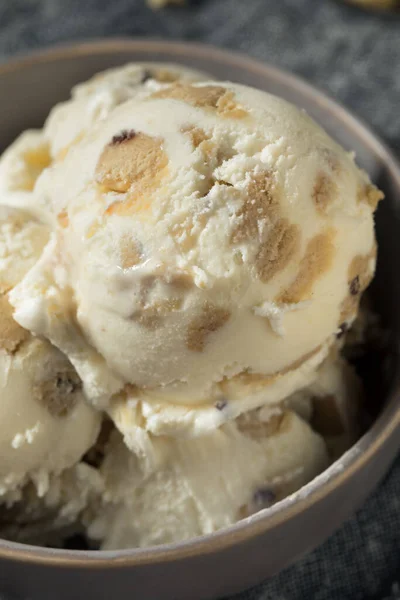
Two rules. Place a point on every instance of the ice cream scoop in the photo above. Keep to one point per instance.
(161, 489)
(206, 232)
(45, 425)
(174, 489)
(189, 259)
(191, 219)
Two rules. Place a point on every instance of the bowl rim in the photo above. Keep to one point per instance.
(356, 458)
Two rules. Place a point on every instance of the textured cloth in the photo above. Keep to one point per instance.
(355, 57)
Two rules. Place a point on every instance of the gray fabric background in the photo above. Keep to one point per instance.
(355, 57)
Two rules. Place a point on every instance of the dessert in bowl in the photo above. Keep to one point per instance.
(203, 250)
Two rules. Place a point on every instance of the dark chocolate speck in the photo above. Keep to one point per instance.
(122, 137)
(221, 404)
(146, 76)
(355, 286)
(67, 385)
(264, 497)
(342, 329)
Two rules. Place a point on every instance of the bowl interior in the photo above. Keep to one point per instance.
(35, 85)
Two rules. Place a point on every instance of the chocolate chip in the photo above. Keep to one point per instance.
(264, 497)
(222, 182)
(221, 404)
(146, 76)
(343, 328)
(122, 137)
(66, 385)
(355, 286)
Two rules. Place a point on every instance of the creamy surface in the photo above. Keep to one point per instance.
(173, 489)
(93, 100)
(45, 424)
(180, 262)
(161, 489)
(205, 231)
(68, 122)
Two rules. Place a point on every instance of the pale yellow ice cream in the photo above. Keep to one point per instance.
(68, 122)
(152, 490)
(187, 260)
(93, 100)
(45, 425)
(206, 233)
(161, 489)
(174, 489)
(20, 167)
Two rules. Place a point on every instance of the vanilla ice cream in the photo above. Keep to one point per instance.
(20, 167)
(181, 263)
(175, 489)
(45, 425)
(92, 101)
(205, 232)
(161, 489)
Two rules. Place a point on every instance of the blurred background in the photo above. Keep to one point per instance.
(351, 50)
